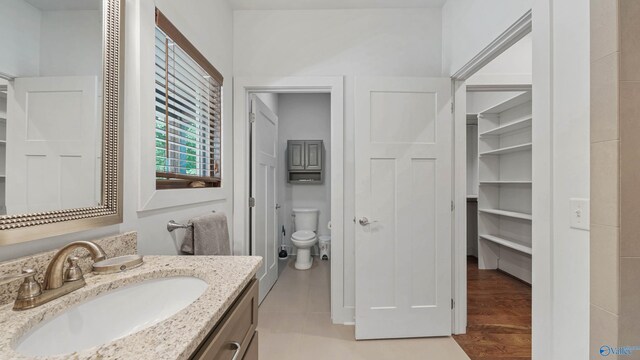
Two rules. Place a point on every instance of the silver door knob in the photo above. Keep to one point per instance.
(364, 221)
(278, 206)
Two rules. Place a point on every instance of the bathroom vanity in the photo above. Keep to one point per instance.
(149, 312)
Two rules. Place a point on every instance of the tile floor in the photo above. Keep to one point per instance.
(295, 323)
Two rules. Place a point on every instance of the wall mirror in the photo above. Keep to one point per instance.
(60, 117)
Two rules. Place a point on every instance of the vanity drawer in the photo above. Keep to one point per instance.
(234, 333)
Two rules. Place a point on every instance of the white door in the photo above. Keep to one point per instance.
(53, 144)
(403, 207)
(264, 219)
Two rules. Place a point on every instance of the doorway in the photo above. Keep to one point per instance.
(494, 262)
(244, 89)
(290, 188)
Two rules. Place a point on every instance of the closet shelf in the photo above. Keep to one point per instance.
(508, 150)
(522, 123)
(511, 214)
(512, 244)
(507, 182)
(508, 104)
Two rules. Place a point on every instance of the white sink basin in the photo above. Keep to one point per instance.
(111, 316)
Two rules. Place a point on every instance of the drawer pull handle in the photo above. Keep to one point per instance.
(237, 353)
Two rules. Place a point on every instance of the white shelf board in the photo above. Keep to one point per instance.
(494, 182)
(512, 244)
(508, 150)
(511, 214)
(511, 127)
(509, 103)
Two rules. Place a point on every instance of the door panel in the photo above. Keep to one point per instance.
(296, 155)
(403, 189)
(264, 228)
(53, 156)
(313, 156)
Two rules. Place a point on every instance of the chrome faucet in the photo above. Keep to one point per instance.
(57, 282)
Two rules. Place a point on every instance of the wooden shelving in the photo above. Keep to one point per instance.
(508, 150)
(511, 244)
(505, 213)
(506, 182)
(516, 125)
(510, 103)
(504, 202)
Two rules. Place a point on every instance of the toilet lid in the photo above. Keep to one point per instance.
(303, 235)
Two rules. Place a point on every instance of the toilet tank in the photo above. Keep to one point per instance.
(305, 219)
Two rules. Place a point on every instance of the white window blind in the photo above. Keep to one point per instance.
(188, 117)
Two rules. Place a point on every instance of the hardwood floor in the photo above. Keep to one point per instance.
(499, 316)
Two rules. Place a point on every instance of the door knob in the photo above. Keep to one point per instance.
(364, 221)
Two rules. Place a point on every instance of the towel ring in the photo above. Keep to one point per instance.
(172, 225)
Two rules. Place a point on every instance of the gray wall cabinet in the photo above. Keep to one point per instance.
(305, 161)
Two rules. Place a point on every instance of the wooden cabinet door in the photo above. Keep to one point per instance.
(296, 155)
(252, 350)
(313, 150)
(233, 335)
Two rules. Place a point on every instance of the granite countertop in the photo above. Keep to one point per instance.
(175, 338)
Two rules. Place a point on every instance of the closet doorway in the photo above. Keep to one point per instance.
(493, 264)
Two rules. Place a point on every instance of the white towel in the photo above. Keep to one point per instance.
(207, 235)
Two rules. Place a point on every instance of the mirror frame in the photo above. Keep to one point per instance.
(25, 227)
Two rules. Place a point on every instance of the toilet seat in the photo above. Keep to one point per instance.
(303, 235)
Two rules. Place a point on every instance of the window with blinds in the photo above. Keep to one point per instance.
(188, 130)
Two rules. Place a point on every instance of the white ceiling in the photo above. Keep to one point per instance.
(332, 4)
(49, 5)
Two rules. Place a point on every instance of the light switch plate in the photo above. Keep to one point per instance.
(580, 213)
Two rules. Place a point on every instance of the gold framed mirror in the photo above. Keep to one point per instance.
(61, 133)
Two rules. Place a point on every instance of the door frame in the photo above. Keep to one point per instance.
(509, 37)
(243, 88)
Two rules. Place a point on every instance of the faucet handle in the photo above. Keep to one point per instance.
(30, 288)
(73, 272)
(11, 278)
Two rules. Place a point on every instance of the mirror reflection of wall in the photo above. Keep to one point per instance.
(52, 59)
(3, 144)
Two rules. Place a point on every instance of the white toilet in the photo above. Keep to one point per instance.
(306, 225)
